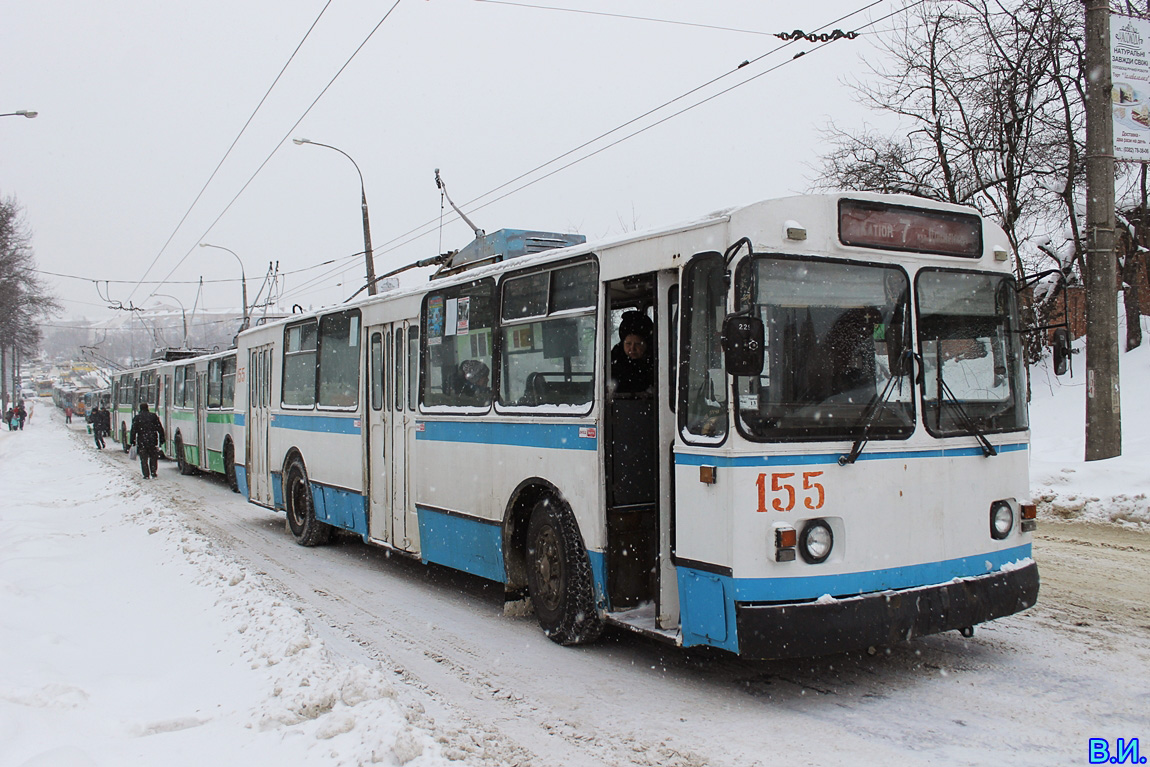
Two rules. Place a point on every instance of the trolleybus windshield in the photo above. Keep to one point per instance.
(834, 331)
(972, 376)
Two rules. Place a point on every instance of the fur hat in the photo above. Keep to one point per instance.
(635, 323)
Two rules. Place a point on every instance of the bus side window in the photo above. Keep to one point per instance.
(549, 360)
(228, 398)
(702, 380)
(412, 367)
(376, 371)
(299, 365)
(458, 323)
(338, 374)
(398, 369)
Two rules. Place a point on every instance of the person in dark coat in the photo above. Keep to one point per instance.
(147, 435)
(632, 364)
(98, 429)
(105, 423)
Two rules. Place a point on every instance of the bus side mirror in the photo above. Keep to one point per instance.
(1062, 351)
(743, 345)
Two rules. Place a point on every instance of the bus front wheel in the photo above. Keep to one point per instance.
(301, 521)
(559, 576)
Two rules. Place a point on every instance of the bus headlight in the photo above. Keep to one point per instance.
(1001, 520)
(816, 541)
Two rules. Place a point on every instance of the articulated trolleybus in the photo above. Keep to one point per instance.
(829, 452)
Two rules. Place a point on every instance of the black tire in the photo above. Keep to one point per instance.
(559, 576)
(182, 462)
(301, 521)
(230, 466)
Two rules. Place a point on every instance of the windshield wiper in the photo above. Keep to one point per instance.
(869, 418)
(965, 419)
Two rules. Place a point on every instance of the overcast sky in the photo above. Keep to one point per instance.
(139, 101)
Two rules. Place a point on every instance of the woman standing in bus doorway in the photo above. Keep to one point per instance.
(632, 367)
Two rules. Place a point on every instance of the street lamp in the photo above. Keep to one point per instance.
(21, 113)
(183, 313)
(243, 279)
(366, 226)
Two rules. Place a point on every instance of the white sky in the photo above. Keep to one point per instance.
(139, 101)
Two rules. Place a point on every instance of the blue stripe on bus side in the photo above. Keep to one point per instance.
(328, 424)
(735, 461)
(708, 600)
(462, 543)
(239, 419)
(556, 436)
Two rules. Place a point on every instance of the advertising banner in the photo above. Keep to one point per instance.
(1130, 87)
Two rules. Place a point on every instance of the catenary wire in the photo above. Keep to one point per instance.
(235, 141)
(275, 149)
(407, 238)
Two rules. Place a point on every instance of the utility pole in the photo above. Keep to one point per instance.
(1103, 409)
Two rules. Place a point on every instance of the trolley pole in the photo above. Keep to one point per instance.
(1103, 411)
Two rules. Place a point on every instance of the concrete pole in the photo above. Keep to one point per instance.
(1103, 409)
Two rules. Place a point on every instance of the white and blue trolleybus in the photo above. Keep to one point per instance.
(824, 448)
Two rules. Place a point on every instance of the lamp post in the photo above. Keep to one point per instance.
(21, 113)
(366, 226)
(243, 279)
(183, 314)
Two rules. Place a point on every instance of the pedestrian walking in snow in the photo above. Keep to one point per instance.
(68, 415)
(147, 435)
(21, 415)
(99, 429)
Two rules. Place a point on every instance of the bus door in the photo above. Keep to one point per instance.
(378, 433)
(405, 364)
(258, 425)
(390, 429)
(202, 418)
(633, 381)
(166, 414)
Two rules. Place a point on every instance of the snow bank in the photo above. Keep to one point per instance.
(193, 660)
(1063, 484)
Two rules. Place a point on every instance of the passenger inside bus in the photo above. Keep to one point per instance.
(473, 380)
(632, 366)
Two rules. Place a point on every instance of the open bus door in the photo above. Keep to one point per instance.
(638, 425)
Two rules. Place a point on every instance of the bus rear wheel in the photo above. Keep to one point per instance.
(559, 576)
(301, 521)
(230, 466)
(181, 460)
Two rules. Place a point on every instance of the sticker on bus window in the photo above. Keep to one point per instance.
(451, 316)
(463, 316)
(435, 319)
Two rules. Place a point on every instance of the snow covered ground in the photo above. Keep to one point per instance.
(1062, 482)
(131, 636)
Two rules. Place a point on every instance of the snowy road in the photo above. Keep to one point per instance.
(1030, 689)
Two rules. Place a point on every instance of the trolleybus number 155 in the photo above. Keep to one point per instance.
(783, 482)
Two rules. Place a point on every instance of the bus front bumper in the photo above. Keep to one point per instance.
(873, 620)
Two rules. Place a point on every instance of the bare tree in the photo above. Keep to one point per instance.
(24, 300)
(989, 97)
